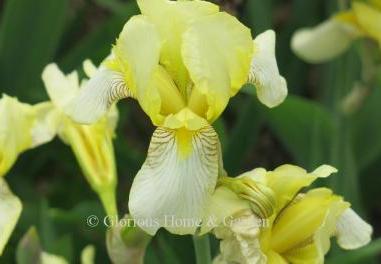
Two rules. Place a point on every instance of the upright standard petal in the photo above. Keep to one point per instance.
(172, 188)
(178, 15)
(264, 74)
(16, 121)
(323, 42)
(218, 60)
(351, 231)
(137, 53)
(61, 88)
(10, 210)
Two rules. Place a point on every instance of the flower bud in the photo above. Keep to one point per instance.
(260, 197)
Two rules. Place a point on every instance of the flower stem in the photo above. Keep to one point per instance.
(108, 200)
(202, 249)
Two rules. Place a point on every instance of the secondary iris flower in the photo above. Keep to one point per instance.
(20, 129)
(334, 36)
(182, 61)
(300, 226)
(91, 144)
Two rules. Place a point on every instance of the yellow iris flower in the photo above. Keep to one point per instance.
(334, 36)
(300, 228)
(21, 128)
(182, 61)
(91, 144)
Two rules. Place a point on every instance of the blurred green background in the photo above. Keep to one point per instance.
(308, 129)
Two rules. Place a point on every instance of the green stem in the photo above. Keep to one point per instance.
(108, 200)
(202, 249)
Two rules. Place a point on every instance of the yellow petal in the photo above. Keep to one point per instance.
(312, 216)
(93, 148)
(275, 258)
(223, 205)
(314, 248)
(178, 15)
(324, 171)
(260, 197)
(161, 97)
(217, 51)
(89, 68)
(10, 210)
(176, 181)
(323, 42)
(287, 180)
(16, 121)
(137, 53)
(185, 119)
(351, 231)
(61, 89)
(264, 74)
(47, 121)
(369, 18)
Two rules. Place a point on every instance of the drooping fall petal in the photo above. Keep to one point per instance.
(177, 179)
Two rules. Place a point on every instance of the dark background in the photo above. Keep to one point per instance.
(307, 130)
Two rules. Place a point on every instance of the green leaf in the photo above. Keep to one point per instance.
(257, 15)
(305, 128)
(365, 124)
(243, 136)
(29, 37)
(341, 75)
(97, 44)
(118, 7)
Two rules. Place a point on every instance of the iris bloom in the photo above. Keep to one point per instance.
(20, 129)
(300, 226)
(334, 36)
(91, 144)
(182, 61)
